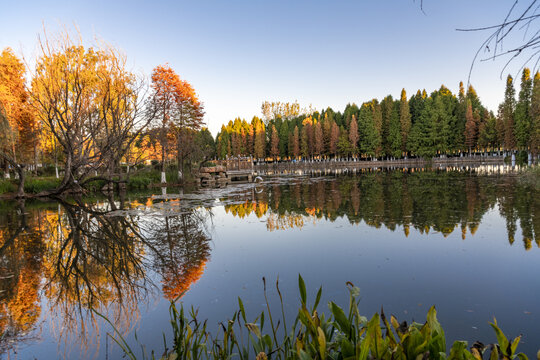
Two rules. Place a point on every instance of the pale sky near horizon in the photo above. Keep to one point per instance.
(238, 54)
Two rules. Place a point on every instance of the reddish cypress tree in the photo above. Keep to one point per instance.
(470, 127)
(274, 149)
(318, 138)
(353, 135)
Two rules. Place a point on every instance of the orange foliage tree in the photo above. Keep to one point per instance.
(18, 126)
(177, 111)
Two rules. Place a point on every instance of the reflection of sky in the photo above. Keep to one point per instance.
(469, 281)
(239, 53)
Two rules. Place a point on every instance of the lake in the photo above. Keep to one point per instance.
(463, 240)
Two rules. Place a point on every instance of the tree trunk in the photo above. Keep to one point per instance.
(20, 188)
(180, 158)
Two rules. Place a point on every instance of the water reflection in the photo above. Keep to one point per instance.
(103, 256)
(426, 201)
(60, 260)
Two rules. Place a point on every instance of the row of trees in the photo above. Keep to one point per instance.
(422, 125)
(82, 107)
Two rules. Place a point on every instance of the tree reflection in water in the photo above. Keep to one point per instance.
(92, 256)
(115, 256)
(426, 201)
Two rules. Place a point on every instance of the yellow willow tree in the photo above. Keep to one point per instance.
(89, 103)
(18, 126)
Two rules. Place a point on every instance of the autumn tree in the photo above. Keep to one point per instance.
(318, 146)
(78, 92)
(18, 126)
(296, 143)
(404, 119)
(283, 138)
(353, 135)
(274, 143)
(187, 123)
(283, 110)
(470, 127)
(178, 112)
(334, 137)
(260, 137)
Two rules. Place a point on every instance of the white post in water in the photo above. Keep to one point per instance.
(163, 178)
(56, 171)
(180, 175)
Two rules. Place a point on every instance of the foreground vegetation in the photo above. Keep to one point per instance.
(344, 334)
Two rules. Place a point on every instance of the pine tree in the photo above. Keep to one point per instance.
(274, 148)
(404, 119)
(318, 145)
(296, 143)
(387, 108)
(334, 138)
(259, 144)
(327, 133)
(522, 116)
(499, 126)
(509, 105)
(343, 145)
(487, 137)
(441, 132)
(378, 122)
(283, 138)
(421, 138)
(353, 135)
(369, 137)
(534, 141)
(304, 146)
(394, 132)
(470, 127)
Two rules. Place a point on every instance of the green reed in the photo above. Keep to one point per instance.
(343, 334)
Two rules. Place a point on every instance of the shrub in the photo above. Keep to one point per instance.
(34, 185)
(7, 186)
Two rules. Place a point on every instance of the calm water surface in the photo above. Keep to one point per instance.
(465, 242)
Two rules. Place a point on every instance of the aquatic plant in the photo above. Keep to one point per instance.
(343, 334)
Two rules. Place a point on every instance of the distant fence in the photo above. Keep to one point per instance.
(236, 163)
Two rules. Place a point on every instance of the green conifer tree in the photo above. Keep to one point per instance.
(509, 105)
(534, 141)
(404, 119)
(522, 116)
(394, 132)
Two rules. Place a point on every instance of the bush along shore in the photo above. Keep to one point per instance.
(140, 179)
(343, 334)
(147, 177)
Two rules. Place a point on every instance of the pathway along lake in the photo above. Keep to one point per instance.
(463, 241)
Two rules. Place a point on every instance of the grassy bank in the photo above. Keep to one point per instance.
(342, 334)
(141, 179)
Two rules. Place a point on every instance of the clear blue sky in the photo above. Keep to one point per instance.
(239, 53)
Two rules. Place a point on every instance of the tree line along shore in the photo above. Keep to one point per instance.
(80, 119)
